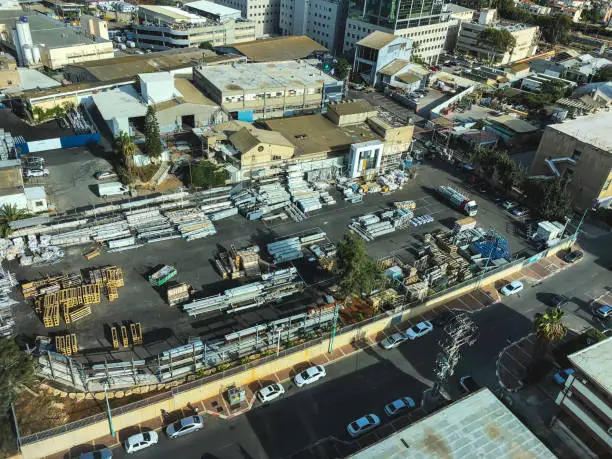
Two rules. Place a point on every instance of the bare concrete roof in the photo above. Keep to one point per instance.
(279, 49)
(377, 40)
(596, 363)
(352, 107)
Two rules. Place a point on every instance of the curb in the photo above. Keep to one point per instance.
(498, 362)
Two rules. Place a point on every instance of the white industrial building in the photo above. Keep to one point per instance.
(214, 11)
(321, 20)
(264, 13)
(13, 192)
(378, 51)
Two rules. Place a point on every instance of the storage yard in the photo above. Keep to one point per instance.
(240, 279)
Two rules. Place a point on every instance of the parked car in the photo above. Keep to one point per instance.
(35, 172)
(520, 211)
(269, 393)
(420, 329)
(105, 175)
(185, 426)
(140, 441)
(509, 205)
(442, 320)
(310, 375)
(103, 453)
(512, 288)
(557, 301)
(468, 385)
(399, 405)
(574, 256)
(604, 311)
(393, 341)
(35, 161)
(562, 376)
(363, 424)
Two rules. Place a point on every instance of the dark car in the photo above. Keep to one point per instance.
(574, 256)
(442, 320)
(468, 385)
(557, 301)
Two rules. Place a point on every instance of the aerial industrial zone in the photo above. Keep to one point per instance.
(305, 229)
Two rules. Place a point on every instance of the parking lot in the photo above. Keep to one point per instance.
(165, 327)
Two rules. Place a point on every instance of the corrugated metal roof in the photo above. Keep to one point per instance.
(246, 139)
(409, 77)
(377, 40)
(279, 49)
(395, 66)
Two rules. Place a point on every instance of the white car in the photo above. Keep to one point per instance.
(393, 341)
(401, 404)
(362, 425)
(309, 376)
(420, 329)
(185, 426)
(512, 288)
(140, 441)
(269, 393)
(35, 172)
(105, 175)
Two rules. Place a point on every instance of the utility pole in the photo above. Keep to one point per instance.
(108, 411)
(460, 332)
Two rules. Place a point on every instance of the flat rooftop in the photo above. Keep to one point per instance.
(32, 79)
(279, 49)
(213, 8)
(130, 66)
(317, 134)
(352, 107)
(171, 14)
(253, 76)
(47, 31)
(120, 103)
(476, 426)
(595, 362)
(591, 129)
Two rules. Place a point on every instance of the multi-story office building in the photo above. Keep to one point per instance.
(165, 27)
(264, 13)
(321, 20)
(425, 22)
(268, 89)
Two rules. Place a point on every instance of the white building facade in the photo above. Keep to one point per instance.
(265, 13)
(321, 20)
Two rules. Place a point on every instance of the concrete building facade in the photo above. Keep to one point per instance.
(376, 51)
(321, 20)
(470, 40)
(165, 27)
(264, 13)
(579, 152)
(268, 90)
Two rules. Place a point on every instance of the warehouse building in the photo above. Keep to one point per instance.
(180, 106)
(164, 27)
(42, 41)
(177, 62)
(268, 90)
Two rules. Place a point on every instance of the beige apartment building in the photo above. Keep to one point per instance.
(579, 152)
(268, 90)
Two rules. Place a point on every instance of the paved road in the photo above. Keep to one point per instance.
(365, 382)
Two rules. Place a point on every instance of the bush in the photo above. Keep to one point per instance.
(145, 173)
(207, 175)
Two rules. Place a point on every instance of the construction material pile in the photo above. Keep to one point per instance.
(31, 250)
(237, 263)
(291, 248)
(392, 181)
(272, 287)
(371, 226)
(7, 320)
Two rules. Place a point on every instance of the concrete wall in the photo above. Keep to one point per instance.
(180, 399)
(55, 58)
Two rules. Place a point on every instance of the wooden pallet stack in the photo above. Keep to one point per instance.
(66, 344)
(136, 331)
(51, 316)
(178, 294)
(91, 294)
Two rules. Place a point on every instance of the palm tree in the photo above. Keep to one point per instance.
(10, 213)
(125, 147)
(548, 328)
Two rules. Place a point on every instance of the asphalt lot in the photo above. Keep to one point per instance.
(71, 183)
(140, 302)
(16, 126)
(311, 422)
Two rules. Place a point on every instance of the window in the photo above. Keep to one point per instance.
(276, 157)
(576, 155)
(41, 203)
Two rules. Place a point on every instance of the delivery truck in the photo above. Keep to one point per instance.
(112, 189)
(458, 200)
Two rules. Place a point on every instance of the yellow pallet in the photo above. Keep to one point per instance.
(66, 310)
(74, 344)
(78, 314)
(115, 338)
(71, 296)
(124, 336)
(92, 254)
(115, 275)
(91, 294)
(111, 290)
(136, 333)
(51, 317)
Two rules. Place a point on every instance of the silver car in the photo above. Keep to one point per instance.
(103, 453)
(185, 426)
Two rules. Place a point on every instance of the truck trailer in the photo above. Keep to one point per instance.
(458, 200)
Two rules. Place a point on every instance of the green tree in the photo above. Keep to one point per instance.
(341, 68)
(357, 271)
(125, 148)
(206, 45)
(549, 198)
(153, 145)
(17, 369)
(207, 175)
(10, 213)
(591, 15)
(496, 163)
(500, 40)
(548, 328)
(554, 28)
(603, 74)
